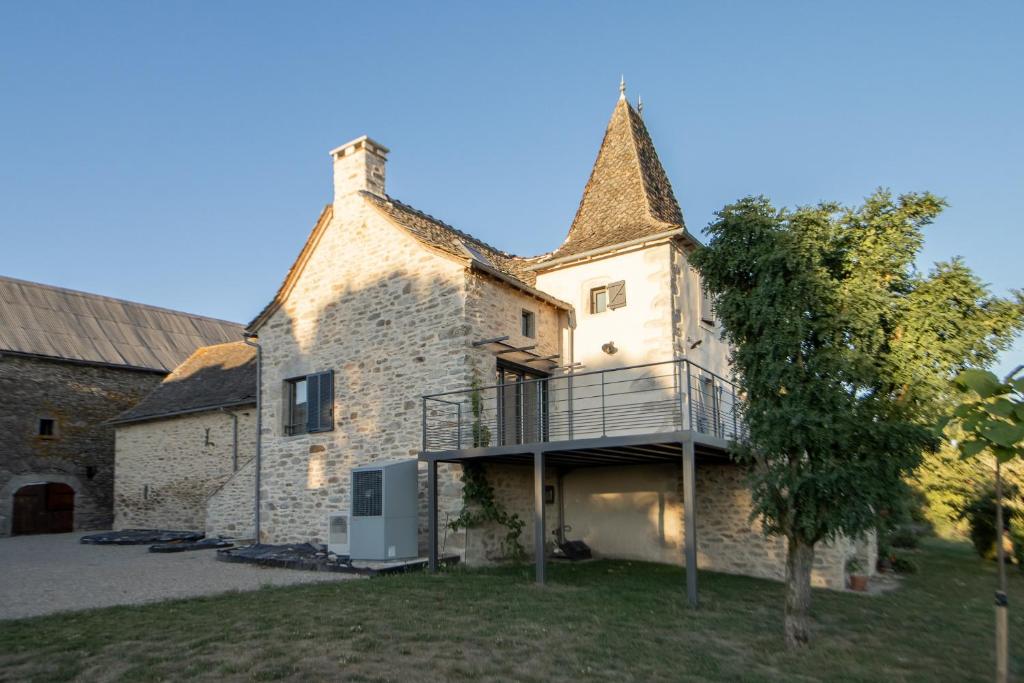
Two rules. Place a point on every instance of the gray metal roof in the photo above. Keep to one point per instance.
(42, 320)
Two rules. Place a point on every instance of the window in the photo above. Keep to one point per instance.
(609, 297)
(47, 427)
(310, 402)
(707, 306)
(529, 326)
(298, 406)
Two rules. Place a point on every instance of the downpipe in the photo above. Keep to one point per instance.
(252, 340)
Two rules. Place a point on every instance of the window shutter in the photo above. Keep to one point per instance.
(707, 305)
(617, 294)
(326, 401)
(313, 403)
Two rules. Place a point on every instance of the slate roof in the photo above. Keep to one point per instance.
(628, 195)
(440, 235)
(214, 376)
(42, 320)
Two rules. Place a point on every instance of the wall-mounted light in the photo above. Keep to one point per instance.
(609, 348)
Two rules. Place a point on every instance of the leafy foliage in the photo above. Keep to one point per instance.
(844, 351)
(990, 415)
(901, 564)
(980, 514)
(480, 507)
(481, 432)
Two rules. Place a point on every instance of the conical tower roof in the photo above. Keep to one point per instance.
(628, 195)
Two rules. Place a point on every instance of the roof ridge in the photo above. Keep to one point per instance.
(445, 225)
(104, 297)
(644, 180)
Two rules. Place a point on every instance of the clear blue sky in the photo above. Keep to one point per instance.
(175, 153)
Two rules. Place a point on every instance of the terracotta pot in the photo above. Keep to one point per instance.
(858, 582)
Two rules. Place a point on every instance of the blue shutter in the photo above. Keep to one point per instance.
(320, 394)
(313, 403)
(325, 401)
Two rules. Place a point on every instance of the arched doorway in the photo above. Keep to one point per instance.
(43, 508)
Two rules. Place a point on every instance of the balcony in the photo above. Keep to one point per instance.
(647, 401)
(668, 412)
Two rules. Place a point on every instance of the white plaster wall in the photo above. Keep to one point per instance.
(711, 353)
(642, 330)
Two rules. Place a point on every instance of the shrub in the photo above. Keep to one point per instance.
(903, 565)
(980, 514)
(904, 536)
(1017, 536)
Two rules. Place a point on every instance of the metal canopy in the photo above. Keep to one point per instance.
(505, 348)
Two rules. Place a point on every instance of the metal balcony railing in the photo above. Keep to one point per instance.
(652, 398)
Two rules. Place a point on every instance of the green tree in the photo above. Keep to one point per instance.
(844, 351)
(990, 421)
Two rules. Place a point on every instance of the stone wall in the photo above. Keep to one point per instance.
(80, 398)
(167, 468)
(513, 488)
(729, 542)
(230, 508)
(386, 315)
(393, 320)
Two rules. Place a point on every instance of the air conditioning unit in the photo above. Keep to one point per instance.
(384, 511)
(337, 533)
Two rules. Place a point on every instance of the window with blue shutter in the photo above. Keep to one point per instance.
(320, 416)
(310, 403)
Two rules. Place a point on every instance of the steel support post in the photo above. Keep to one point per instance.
(432, 514)
(690, 518)
(538, 514)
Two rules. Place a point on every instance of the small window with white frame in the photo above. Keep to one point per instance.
(598, 300)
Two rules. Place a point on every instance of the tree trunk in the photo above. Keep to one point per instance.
(799, 559)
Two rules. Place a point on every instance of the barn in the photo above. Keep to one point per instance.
(69, 362)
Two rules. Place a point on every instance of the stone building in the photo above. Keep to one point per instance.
(69, 362)
(190, 438)
(386, 304)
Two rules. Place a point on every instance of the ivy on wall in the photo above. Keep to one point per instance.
(479, 506)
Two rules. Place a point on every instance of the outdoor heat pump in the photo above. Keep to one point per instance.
(384, 514)
(337, 533)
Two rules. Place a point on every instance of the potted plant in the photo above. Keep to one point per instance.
(858, 579)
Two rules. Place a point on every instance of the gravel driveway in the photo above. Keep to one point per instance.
(55, 573)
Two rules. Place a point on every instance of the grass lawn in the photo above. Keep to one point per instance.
(599, 620)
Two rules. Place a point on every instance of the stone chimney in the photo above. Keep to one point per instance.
(359, 165)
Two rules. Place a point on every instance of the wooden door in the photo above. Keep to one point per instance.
(44, 508)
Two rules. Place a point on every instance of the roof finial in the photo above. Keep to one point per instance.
(639, 105)
(622, 87)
